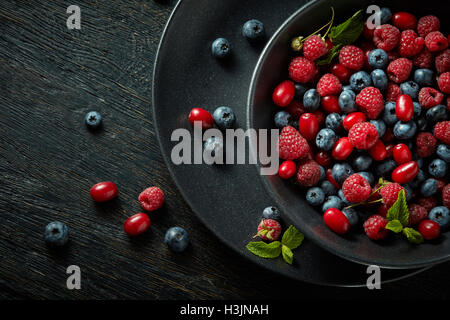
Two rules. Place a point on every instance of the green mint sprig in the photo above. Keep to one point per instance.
(292, 238)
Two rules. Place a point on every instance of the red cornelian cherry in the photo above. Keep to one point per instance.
(287, 169)
(429, 229)
(331, 104)
(329, 176)
(378, 151)
(341, 72)
(336, 221)
(103, 191)
(284, 93)
(404, 20)
(308, 126)
(323, 158)
(401, 153)
(406, 172)
(203, 116)
(404, 108)
(136, 224)
(389, 150)
(342, 149)
(352, 119)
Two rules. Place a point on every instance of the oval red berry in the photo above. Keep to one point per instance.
(103, 191)
(401, 153)
(202, 116)
(308, 126)
(136, 224)
(352, 119)
(378, 151)
(284, 93)
(342, 149)
(336, 221)
(404, 20)
(404, 107)
(406, 172)
(429, 229)
(287, 169)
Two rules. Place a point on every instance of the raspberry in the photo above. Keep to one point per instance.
(389, 193)
(428, 203)
(269, 229)
(442, 131)
(444, 82)
(399, 70)
(392, 91)
(424, 59)
(425, 144)
(371, 100)
(151, 198)
(351, 57)
(430, 97)
(291, 145)
(442, 61)
(428, 24)
(356, 188)
(329, 84)
(416, 213)
(374, 227)
(446, 196)
(386, 37)
(410, 43)
(436, 41)
(314, 47)
(302, 70)
(308, 173)
(363, 135)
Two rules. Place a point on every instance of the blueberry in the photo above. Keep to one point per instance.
(328, 188)
(351, 215)
(322, 174)
(282, 119)
(436, 113)
(311, 100)
(380, 126)
(271, 213)
(315, 196)
(408, 192)
(213, 150)
(253, 30)
(429, 187)
(379, 79)
(220, 48)
(333, 121)
(362, 162)
(417, 182)
(177, 239)
(93, 120)
(332, 202)
(378, 59)
(437, 168)
(410, 88)
(417, 109)
(368, 176)
(300, 91)
(347, 88)
(360, 80)
(424, 77)
(405, 130)
(342, 197)
(418, 160)
(294, 123)
(347, 101)
(56, 234)
(341, 171)
(385, 15)
(224, 117)
(389, 115)
(421, 123)
(325, 139)
(443, 151)
(440, 215)
(385, 168)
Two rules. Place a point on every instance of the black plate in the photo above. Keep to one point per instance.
(229, 199)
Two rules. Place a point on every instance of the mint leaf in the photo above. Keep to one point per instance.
(399, 210)
(330, 56)
(349, 31)
(395, 226)
(292, 238)
(265, 250)
(288, 256)
(413, 236)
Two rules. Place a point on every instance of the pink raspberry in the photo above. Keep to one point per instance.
(424, 59)
(398, 70)
(374, 227)
(442, 131)
(436, 41)
(444, 82)
(356, 188)
(425, 144)
(269, 230)
(351, 57)
(363, 135)
(291, 144)
(442, 61)
(416, 213)
(428, 24)
(151, 198)
(430, 97)
(389, 193)
(302, 70)
(410, 43)
(371, 101)
(308, 173)
(386, 37)
(428, 203)
(446, 196)
(314, 47)
(392, 91)
(328, 85)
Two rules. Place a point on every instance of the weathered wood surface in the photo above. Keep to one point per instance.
(49, 78)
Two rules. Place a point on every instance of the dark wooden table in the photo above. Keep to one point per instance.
(49, 78)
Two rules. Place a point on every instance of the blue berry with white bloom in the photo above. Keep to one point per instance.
(410, 88)
(362, 162)
(436, 114)
(385, 168)
(440, 215)
(333, 121)
(389, 115)
(282, 119)
(221, 48)
(379, 79)
(271, 213)
(328, 188)
(437, 168)
(325, 139)
(347, 101)
(315, 196)
(56, 234)
(253, 30)
(417, 109)
(93, 120)
(405, 130)
(443, 151)
(177, 239)
(224, 117)
(360, 80)
(332, 202)
(311, 100)
(424, 77)
(378, 59)
(341, 171)
(429, 187)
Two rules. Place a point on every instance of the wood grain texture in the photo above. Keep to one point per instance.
(49, 78)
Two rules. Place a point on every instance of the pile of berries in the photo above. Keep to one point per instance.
(380, 109)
